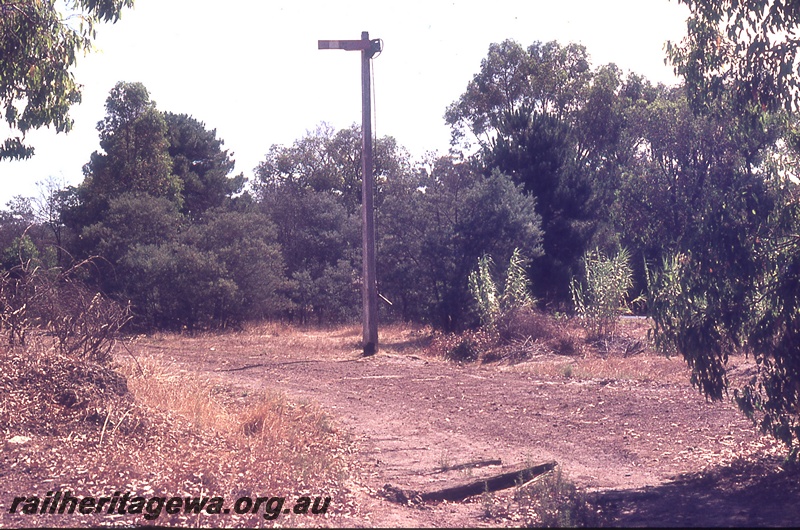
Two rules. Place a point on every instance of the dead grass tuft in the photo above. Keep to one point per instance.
(516, 337)
(537, 343)
(164, 386)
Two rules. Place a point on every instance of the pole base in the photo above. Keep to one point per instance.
(370, 348)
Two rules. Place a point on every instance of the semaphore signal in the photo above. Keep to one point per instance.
(368, 49)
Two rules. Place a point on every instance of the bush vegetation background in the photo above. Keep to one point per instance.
(688, 191)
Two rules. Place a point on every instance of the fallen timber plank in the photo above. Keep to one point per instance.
(246, 367)
(468, 465)
(495, 483)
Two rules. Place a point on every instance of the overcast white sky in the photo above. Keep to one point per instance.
(252, 71)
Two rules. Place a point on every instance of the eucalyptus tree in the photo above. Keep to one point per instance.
(748, 49)
(312, 190)
(740, 289)
(39, 43)
(327, 160)
(556, 126)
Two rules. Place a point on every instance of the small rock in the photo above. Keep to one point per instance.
(18, 440)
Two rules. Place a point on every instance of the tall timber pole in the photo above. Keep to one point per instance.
(369, 291)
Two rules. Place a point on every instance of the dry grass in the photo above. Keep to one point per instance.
(336, 342)
(166, 431)
(299, 439)
(645, 367)
(165, 386)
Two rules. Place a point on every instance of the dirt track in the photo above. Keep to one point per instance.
(628, 439)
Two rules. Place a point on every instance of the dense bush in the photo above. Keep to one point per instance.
(517, 335)
(433, 230)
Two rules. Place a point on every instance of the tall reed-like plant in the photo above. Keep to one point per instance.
(601, 297)
(516, 293)
(490, 302)
(484, 290)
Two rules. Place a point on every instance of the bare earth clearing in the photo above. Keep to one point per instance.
(630, 430)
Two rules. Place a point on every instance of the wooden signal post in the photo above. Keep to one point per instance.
(368, 49)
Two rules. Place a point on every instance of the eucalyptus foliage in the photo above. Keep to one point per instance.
(749, 47)
(39, 44)
(750, 304)
(772, 397)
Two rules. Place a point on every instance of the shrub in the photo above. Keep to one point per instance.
(516, 336)
(465, 351)
(516, 294)
(490, 304)
(547, 501)
(528, 324)
(556, 502)
(602, 298)
(484, 291)
(464, 347)
(84, 324)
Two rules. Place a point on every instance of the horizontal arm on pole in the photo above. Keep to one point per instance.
(349, 45)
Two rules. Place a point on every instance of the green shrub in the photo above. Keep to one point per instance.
(490, 304)
(21, 251)
(484, 291)
(516, 293)
(602, 297)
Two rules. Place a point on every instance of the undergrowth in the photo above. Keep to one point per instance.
(547, 501)
(515, 336)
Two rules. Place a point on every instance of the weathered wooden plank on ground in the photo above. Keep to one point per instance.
(495, 483)
(459, 493)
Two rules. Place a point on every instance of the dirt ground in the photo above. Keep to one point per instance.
(631, 431)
